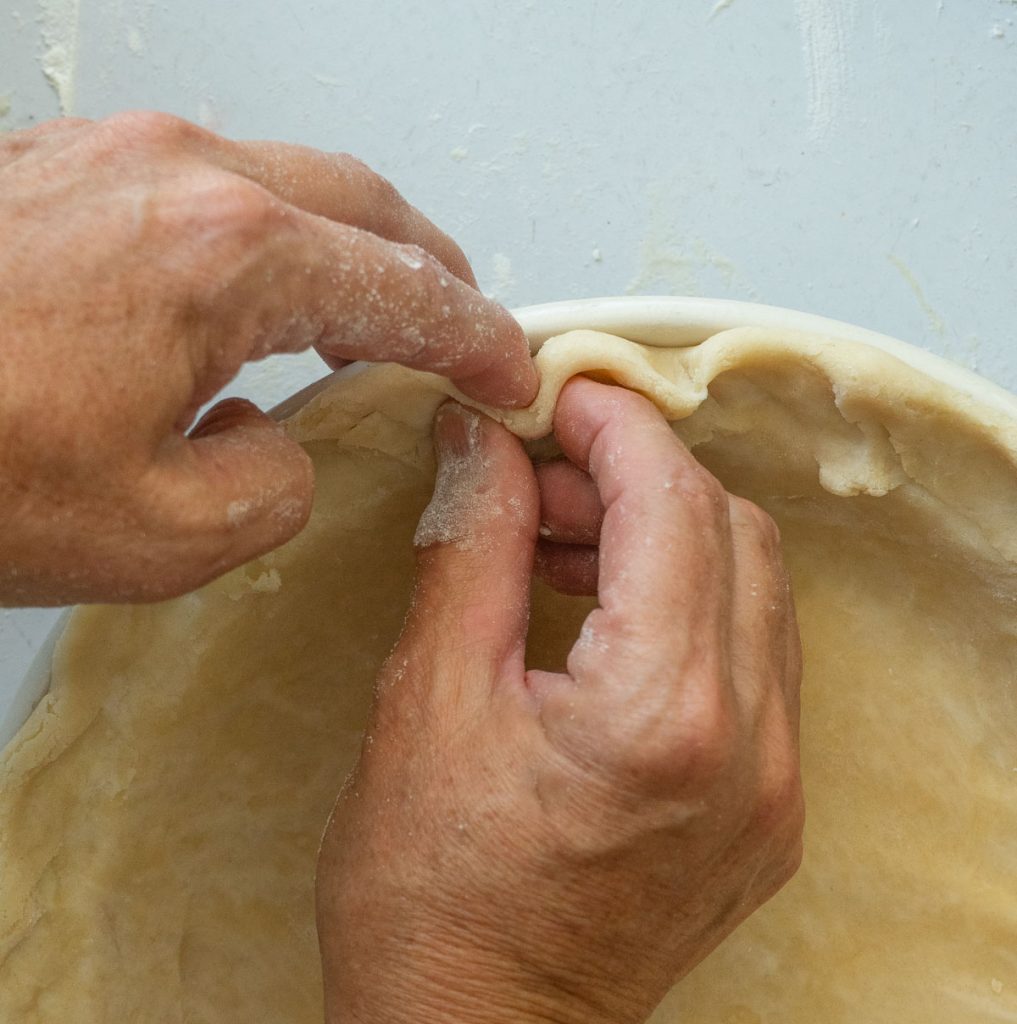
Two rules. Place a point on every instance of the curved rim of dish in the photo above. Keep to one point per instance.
(668, 321)
(656, 320)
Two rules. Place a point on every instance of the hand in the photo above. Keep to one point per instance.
(143, 260)
(533, 846)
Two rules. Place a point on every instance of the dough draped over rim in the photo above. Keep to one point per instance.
(160, 810)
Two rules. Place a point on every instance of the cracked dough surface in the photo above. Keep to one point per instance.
(160, 810)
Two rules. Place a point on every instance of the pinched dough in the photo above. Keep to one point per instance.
(160, 811)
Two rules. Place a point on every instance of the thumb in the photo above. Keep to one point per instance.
(239, 487)
(475, 545)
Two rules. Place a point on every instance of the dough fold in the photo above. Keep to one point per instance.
(161, 808)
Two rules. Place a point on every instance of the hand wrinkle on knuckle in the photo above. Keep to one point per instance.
(660, 771)
(179, 563)
(651, 744)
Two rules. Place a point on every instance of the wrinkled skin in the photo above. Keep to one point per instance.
(527, 846)
(513, 846)
(143, 261)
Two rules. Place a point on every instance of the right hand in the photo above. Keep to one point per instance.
(143, 261)
(532, 846)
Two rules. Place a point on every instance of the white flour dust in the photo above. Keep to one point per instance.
(466, 498)
(59, 30)
(458, 490)
(824, 26)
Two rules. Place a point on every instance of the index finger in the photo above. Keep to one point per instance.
(344, 189)
(273, 278)
(376, 300)
(329, 254)
(333, 185)
(665, 544)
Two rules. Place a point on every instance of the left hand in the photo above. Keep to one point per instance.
(143, 261)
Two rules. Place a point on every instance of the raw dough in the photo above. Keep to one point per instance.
(161, 809)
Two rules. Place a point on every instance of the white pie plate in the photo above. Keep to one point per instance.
(653, 320)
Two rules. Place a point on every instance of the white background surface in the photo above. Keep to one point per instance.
(855, 159)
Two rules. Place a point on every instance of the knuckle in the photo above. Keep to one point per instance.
(668, 754)
(195, 534)
(153, 128)
(213, 207)
(234, 204)
(709, 741)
